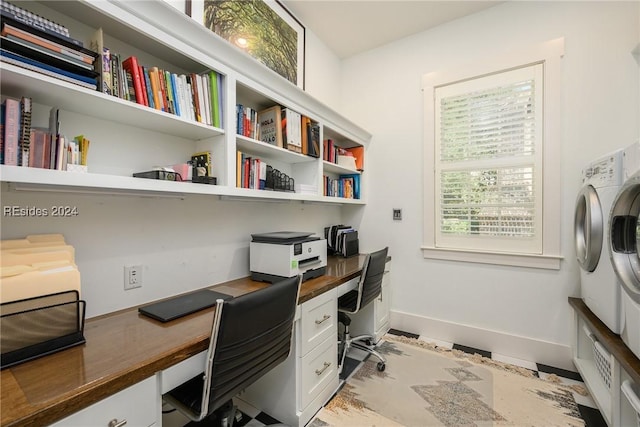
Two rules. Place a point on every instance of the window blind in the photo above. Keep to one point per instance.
(488, 143)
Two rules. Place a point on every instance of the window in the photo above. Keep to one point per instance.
(491, 155)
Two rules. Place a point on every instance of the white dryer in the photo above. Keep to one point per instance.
(599, 285)
(624, 238)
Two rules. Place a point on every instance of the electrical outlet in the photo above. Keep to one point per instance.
(132, 276)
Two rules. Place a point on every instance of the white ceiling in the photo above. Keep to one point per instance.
(354, 26)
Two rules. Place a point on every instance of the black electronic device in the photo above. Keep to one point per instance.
(162, 175)
(176, 307)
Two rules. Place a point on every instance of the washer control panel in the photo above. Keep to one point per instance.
(604, 172)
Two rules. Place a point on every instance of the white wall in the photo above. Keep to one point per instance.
(182, 244)
(600, 113)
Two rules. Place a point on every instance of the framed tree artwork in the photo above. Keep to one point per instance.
(264, 29)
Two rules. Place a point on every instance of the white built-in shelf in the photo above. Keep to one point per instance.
(337, 169)
(253, 146)
(18, 82)
(166, 37)
(47, 180)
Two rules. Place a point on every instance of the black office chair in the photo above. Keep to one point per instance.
(369, 288)
(251, 335)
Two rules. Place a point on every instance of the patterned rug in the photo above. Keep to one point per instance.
(424, 385)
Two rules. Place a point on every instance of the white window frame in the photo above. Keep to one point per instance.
(549, 54)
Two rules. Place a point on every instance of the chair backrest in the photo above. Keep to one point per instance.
(371, 278)
(251, 335)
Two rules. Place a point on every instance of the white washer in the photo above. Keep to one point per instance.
(600, 287)
(624, 238)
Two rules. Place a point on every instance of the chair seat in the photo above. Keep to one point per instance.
(349, 301)
(189, 393)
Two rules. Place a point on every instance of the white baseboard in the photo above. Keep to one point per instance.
(546, 353)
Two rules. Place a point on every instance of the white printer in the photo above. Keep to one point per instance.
(282, 254)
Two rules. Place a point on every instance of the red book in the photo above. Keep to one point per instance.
(131, 65)
(144, 86)
(11, 131)
(247, 171)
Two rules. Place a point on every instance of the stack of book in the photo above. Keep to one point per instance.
(38, 44)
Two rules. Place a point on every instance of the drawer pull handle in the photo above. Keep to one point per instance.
(320, 371)
(114, 423)
(325, 317)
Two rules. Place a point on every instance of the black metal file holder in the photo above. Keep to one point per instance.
(34, 327)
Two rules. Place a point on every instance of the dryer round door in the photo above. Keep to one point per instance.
(588, 227)
(625, 236)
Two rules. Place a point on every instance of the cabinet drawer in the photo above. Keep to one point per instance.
(317, 369)
(136, 405)
(318, 321)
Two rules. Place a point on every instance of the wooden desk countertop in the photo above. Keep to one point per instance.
(122, 349)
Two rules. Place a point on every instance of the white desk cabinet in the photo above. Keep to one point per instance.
(296, 389)
(133, 406)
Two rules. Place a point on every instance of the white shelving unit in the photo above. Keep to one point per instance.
(127, 137)
(605, 365)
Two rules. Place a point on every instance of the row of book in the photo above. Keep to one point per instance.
(38, 44)
(247, 122)
(46, 148)
(345, 186)
(196, 97)
(255, 173)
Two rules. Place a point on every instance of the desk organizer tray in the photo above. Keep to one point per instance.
(38, 326)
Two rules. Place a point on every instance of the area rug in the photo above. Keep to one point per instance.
(424, 385)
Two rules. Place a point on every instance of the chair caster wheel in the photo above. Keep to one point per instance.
(381, 366)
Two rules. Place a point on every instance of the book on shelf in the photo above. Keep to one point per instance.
(39, 67)
(117, 88)
(40, 152)
(291, 132)
(102, 65)
(270, 126)
(2, 117)
(239, 119)
(25, 131)
(84, 55)
(168, 92)
(54, 128)
(11, 131)
(176, 94)
(35, 22)
(155, 88)
(305, 124)
(314, 140)
(215, 98)
(149, 91)
(43, 54)
(46, 56)
(130, 65)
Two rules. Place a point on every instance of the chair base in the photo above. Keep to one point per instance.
(347, 342)
(225, 416)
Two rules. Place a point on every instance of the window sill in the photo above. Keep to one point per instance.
(548, 262)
